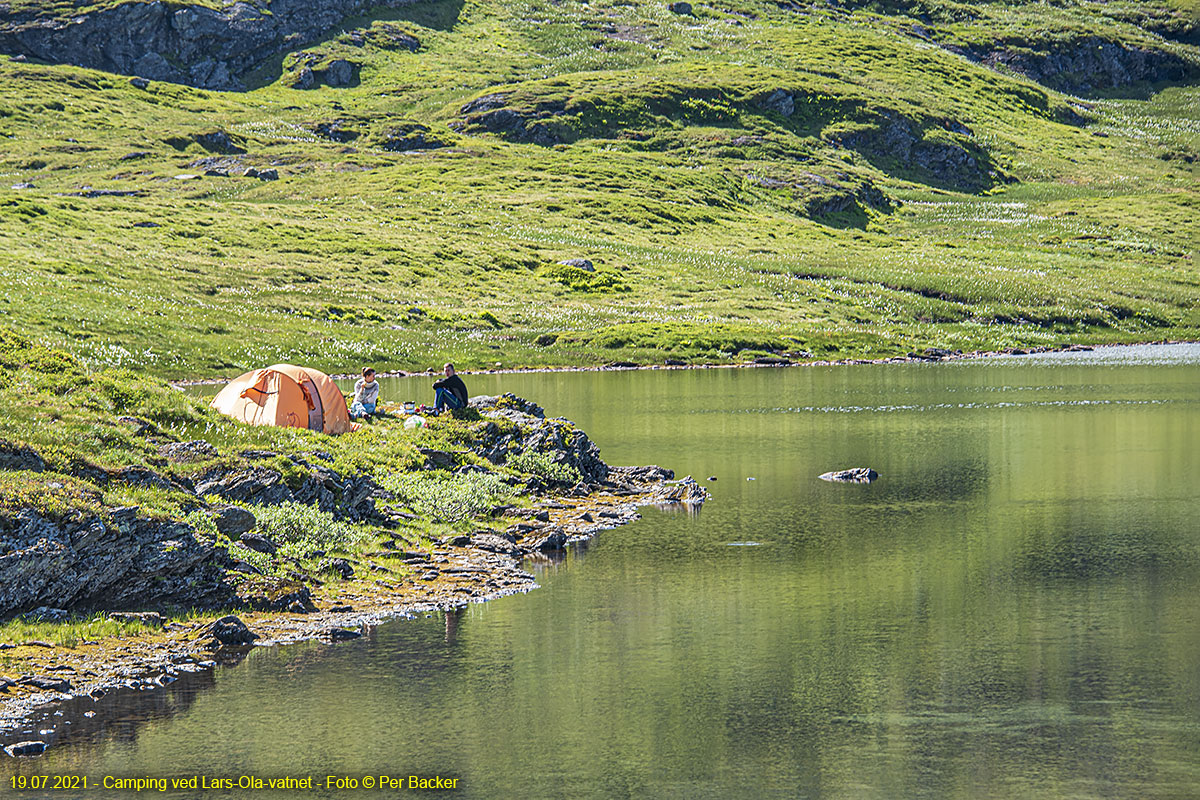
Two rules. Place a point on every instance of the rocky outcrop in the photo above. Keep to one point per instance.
(119, 560)
(351, 498)
(1084, 64)
(540, 123)
(942, 153)
(407, 136)
(192, 44)
(557, 438)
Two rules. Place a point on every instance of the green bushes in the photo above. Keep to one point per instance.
(448, 499)
(300, 524)
(543, 466)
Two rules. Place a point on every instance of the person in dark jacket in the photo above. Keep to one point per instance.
(450, 391)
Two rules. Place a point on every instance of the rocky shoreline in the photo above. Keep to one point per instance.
(460, 569)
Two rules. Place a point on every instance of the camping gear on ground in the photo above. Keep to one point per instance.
(286, 396)
(414, 422)
(410, 407)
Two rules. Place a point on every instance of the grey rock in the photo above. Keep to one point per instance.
(579, 263)
(488, 102)
(686, 491)
(408, 137)
(141, 476)
(206, 47)
(854, 475)
(276, 594)
(340, 73)
(228, 631)
(1085, 63)
(47, 684)
(218, 141)
(780, 101)
(152, 66)
(565, 443)
(186, 452)
(233, 521)
(25, 749)
(23, 185)
(494, 544)
(304, 79)
(358, 499)
(252, 485)
(119, 561)
(554, 540)
(46, 614)
(342, 634)
(258, 543)
(437, 459)
(651, 473)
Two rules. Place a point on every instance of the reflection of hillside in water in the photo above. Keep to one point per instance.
(83, 725)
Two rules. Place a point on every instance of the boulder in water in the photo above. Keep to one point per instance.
(854, 475)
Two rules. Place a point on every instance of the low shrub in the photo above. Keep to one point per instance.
(544, 466)
(448, 498)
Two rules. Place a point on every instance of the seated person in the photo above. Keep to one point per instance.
(366, 395)
(450, 391)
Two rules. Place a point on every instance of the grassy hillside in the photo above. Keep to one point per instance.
(852, 180)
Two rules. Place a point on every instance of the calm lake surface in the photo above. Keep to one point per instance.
(1011, 611)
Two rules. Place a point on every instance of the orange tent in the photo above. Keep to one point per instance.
(287, 396)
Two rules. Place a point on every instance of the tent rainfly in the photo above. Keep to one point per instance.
(286, 396)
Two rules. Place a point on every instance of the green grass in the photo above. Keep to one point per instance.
(70, 632)
(720, 228)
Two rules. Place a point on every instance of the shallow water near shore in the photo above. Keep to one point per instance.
(1009, 611)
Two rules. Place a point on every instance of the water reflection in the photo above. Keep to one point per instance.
(1009, 611)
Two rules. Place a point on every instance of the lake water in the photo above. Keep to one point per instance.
(1011, 611)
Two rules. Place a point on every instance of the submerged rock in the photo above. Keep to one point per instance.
(855, 475)
(32, 748)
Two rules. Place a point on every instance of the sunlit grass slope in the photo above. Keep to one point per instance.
(748, 179)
